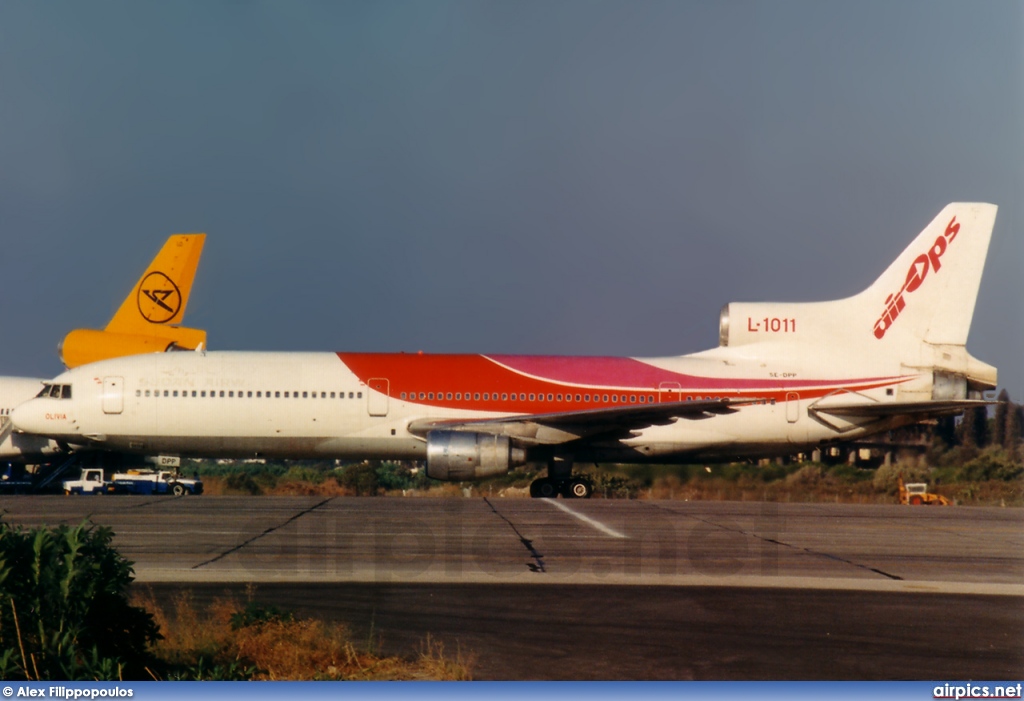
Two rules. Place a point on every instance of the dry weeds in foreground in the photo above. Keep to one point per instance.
(250, 641)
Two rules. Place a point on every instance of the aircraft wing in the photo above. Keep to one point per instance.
(562, 427)
(880, 410)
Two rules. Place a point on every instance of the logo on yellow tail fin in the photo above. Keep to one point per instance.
(147, 320)
(159, 299)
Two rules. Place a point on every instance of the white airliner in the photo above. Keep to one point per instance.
(785, 378)
(146, 321)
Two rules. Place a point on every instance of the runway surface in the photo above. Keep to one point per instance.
(537, 589)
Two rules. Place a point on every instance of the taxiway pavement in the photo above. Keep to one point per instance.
(538, 589)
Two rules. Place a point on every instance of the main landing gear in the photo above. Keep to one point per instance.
(560, 480)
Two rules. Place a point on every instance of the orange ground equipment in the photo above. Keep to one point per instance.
(917, 494)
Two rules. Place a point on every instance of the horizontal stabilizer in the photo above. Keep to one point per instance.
(881, 410)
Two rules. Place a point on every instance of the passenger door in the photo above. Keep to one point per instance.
(113, 395)
(670, 392)
(377, 397)
(792, 407)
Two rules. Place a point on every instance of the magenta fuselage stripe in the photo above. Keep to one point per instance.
(629, 374)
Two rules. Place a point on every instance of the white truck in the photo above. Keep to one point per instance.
(91, 481)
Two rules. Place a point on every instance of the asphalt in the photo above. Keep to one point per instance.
(534, 589)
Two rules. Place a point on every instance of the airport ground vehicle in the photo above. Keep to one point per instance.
(916, 494)
(133, 482)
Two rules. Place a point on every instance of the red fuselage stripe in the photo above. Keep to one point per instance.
(462, 381)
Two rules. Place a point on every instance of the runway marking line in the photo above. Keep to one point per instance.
(586, 519)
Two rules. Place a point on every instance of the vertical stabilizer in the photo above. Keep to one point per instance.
(148, 319)
(928, 293)
(160, 296)
(918, 311)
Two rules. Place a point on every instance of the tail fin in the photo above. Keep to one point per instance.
(147, 320)
(161, 294)
(914, 318)
(928, 294)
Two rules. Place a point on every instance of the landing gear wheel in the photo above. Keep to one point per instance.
(578, 488)
(543, 488)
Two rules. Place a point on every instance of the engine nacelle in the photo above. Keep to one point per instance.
(88, 346)
(456, 455)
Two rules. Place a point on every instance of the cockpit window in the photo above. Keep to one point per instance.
(55, 391)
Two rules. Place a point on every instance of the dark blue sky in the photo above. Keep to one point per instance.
(522, 177)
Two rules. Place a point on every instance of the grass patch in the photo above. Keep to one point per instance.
(236, 641)
(65, 614)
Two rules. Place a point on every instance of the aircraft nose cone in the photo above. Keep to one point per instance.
(27, 419)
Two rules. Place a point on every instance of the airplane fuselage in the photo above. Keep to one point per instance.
(353, 406)
(785, 377)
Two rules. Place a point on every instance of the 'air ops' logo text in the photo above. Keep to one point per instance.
(894, 304)
(159, 299)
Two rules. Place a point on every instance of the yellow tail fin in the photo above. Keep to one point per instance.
(147, 320)
(161, 294)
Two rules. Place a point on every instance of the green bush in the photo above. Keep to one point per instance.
(64, 611)
(211, 468)
(304, 473)
(809, 475)
(242, 482)
(615, 486)
(850, 473)
(886, 476)
(774, 472)
(395, 476)
(361, 478)
(991, 464)
(256, 613)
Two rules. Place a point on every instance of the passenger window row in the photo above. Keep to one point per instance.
(246, 394)
(533, 397)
